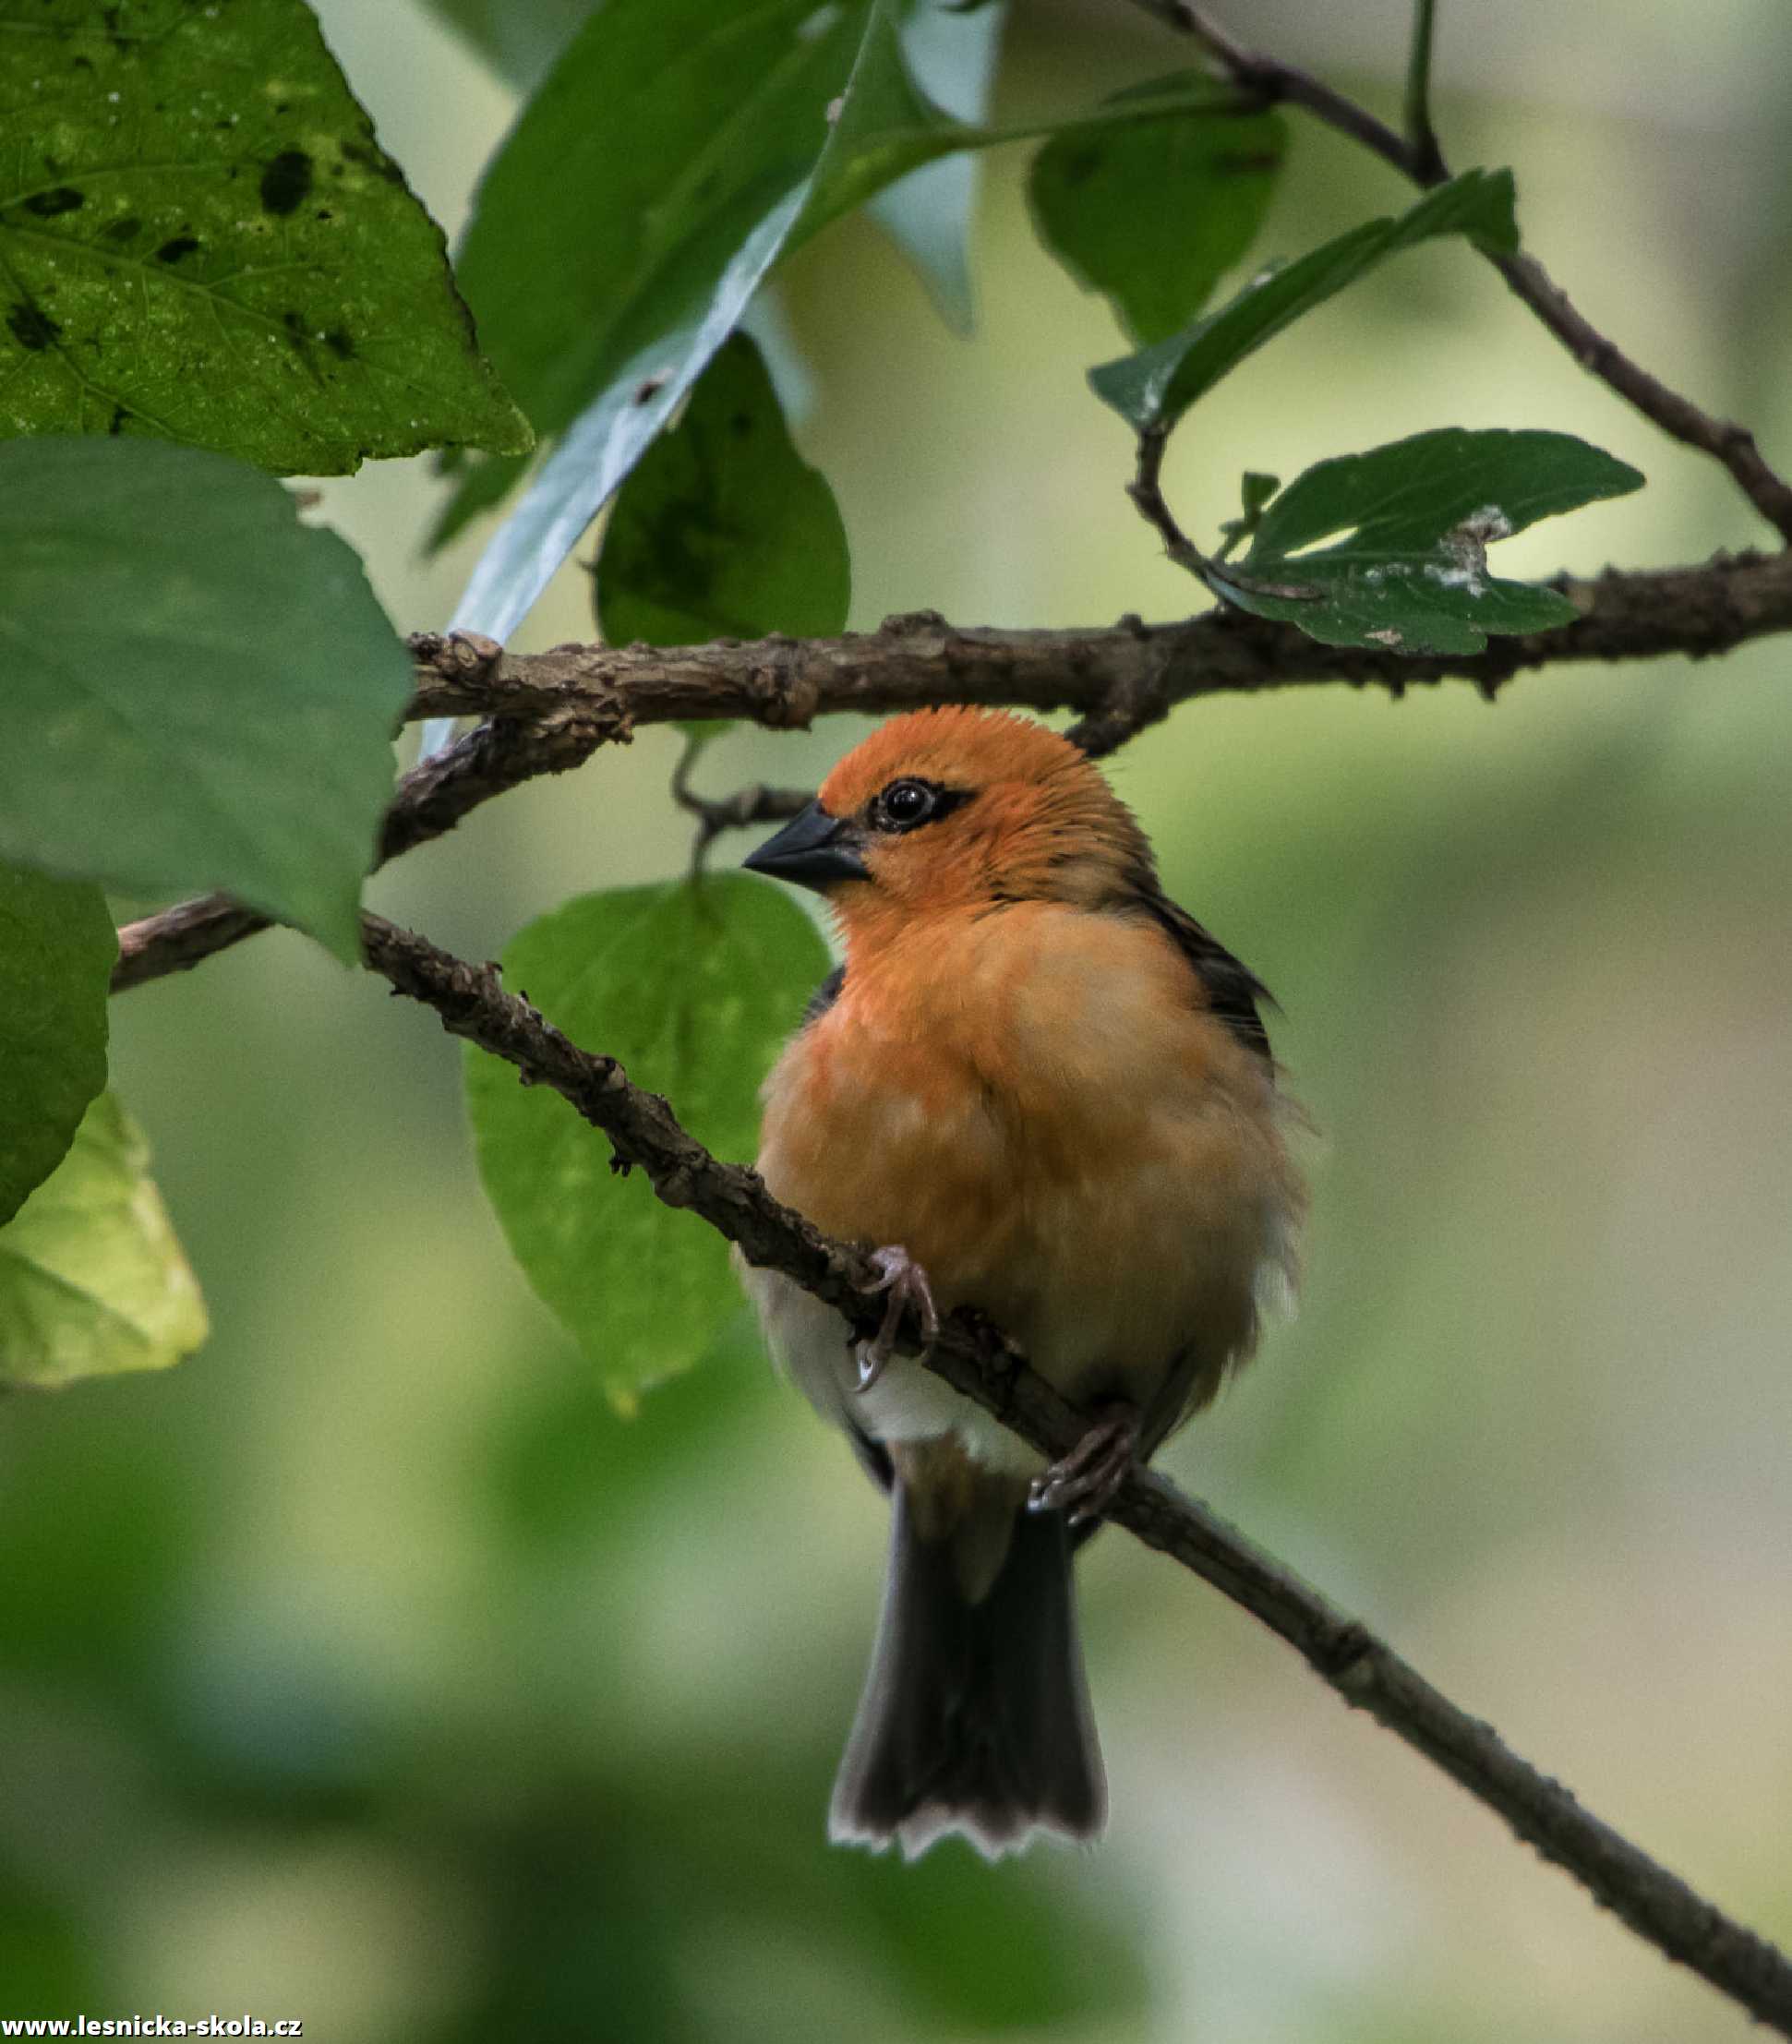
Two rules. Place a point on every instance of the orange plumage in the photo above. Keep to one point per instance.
(1049, 1089)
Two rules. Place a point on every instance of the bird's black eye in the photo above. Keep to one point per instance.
(904, 804)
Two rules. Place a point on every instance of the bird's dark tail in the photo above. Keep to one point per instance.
(975, 1716)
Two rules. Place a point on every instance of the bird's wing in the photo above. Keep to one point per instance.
(824, 995)
(1233, 989)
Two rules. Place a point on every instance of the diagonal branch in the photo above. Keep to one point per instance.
(547, 713)
(1418, 157)
(975, 1359)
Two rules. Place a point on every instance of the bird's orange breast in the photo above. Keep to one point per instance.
(1036, 1104)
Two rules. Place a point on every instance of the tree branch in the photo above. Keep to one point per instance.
(549, 711)
(1418, 157)
(1421, 137)
(975, 1358)
(740, 811)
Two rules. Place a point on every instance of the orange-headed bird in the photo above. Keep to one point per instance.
(1036, 1086)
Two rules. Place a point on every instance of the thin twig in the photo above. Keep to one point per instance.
(974, 1358)
(740, 811)
(549, 711)
(1421, 137)
(1723, 439)
(1146, 489)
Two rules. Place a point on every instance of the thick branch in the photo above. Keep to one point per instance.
(549, 711)
(1418, 157)
(975, 1359)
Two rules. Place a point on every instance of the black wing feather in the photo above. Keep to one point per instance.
(824, 995)
(1233, 989)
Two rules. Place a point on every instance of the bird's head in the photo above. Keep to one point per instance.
(954, 811)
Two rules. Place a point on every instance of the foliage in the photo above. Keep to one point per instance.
(205, 243)
(693, 987)
(91, 1278)
(724, 531)
(57, 940)
(214, 276)
(204, 688)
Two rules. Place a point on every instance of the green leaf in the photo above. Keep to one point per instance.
(694, 988)
(57, 950)
(201, 239)
(93, 1280)
(1255, 490)
(952, 52)
(520, 39)
(1152, 213)
(1410, 572)
(197, 691)
(1152, 389)
(724, 531)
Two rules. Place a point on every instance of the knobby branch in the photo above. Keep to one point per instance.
(974, 1357)
(546, 712)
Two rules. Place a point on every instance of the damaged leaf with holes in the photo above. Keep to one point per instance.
(694, 987)
(201, 239)
(1388, 550)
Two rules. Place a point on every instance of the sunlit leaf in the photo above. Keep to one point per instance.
(93, 1280)
(1409, 526)
(1155, 387)
(694, 988)
(198, 692)
(724, 530)
(1152, 213)
(201, 239)
(56, 952)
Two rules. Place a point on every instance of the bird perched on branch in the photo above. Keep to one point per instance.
(1038, 1088)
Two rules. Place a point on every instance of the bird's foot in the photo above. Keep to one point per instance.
(906, 1281)
(1082, 1485)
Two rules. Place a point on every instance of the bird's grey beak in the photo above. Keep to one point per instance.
(814, 849)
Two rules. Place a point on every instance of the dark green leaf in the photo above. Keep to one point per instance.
(198, 692)
(93, 1280)
(1154, 212)
(724, 531)
(694, 988)
(56, 952)
(202, 240)
(1408, 573)
(1152, 389)
(1255, 490)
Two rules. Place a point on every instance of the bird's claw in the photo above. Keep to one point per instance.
(1082, 1484)
(906, 1281)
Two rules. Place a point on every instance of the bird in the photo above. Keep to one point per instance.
(1035, 1087)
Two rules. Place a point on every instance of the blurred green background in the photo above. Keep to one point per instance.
(367, 1669)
